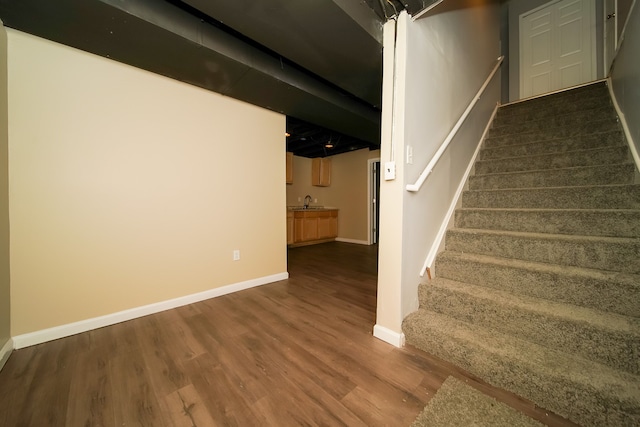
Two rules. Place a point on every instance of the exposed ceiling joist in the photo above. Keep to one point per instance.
(322, 66)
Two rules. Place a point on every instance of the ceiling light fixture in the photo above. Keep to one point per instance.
(329, 144)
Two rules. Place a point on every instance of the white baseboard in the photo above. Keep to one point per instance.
(5, 352)
(625, 126)
(38, 337)
(387, 335)
(357, 242)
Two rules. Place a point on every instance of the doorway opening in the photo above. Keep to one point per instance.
(374, 201)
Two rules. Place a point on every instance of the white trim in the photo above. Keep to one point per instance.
(69, 329)
(607, 64)
(427, 9)
(387, 335)
(5, 352)
(625, 126)
(433, 252)
(357, 242)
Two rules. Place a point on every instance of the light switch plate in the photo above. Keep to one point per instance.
(389, 171)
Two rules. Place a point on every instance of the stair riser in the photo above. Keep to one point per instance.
(592, 197)
(506, 116)
(509, 127)
(613, 295)
(605, 156)
(584, 404)
(586, 340)
(623, 256)
(567, 134)
(542, 132)
(495, 149)
(614, 223)
(595, 175)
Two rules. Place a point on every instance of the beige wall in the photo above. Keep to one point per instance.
(128, 188)
(348, 190)
(5, 309)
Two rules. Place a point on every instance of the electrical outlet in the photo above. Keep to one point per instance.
(236, 254)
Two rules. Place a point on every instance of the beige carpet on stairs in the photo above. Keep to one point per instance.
(457, 404)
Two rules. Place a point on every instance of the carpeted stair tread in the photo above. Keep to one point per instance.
(538, 288)
(559, 101)
(617, 196)
(505, 147)
(557, 120)
(537, 137)
(508, 113)
(610, 291)
(605, 253)
(587, 392)
(622, 173)
(592, 222)
(591, 157)
(566, 130)
(605, 338)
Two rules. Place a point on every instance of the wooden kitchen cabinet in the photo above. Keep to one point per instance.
(327, 224)
(321, 172)
(290, 228)
(314, 226)
(289, 168)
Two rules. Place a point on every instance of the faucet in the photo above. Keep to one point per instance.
(307, 200)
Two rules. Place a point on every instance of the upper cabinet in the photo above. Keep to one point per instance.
(321, 172)
(289, 173)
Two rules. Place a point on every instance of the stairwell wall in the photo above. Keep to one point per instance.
(449, 53)
(625, 77)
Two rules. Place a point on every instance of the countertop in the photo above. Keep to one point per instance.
(310, 208)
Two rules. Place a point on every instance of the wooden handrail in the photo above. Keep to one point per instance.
(427, 170)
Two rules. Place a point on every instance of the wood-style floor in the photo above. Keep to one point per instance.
(294, 353)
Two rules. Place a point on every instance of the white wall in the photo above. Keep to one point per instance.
(128, 188)
(449, 53)
(625, 76)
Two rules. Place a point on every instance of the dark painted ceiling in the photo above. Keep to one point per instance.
(317, 61)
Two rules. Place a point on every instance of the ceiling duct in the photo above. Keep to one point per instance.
(164, 38)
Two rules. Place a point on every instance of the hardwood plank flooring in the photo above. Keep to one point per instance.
(299, 352)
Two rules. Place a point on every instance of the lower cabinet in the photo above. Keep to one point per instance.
(290, 227)
(314, 226)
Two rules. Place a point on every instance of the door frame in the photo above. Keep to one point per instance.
(373, 200)
(609, 50)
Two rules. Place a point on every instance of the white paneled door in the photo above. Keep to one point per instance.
(557, 46)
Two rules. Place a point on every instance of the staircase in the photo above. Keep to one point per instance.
(538, 289)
